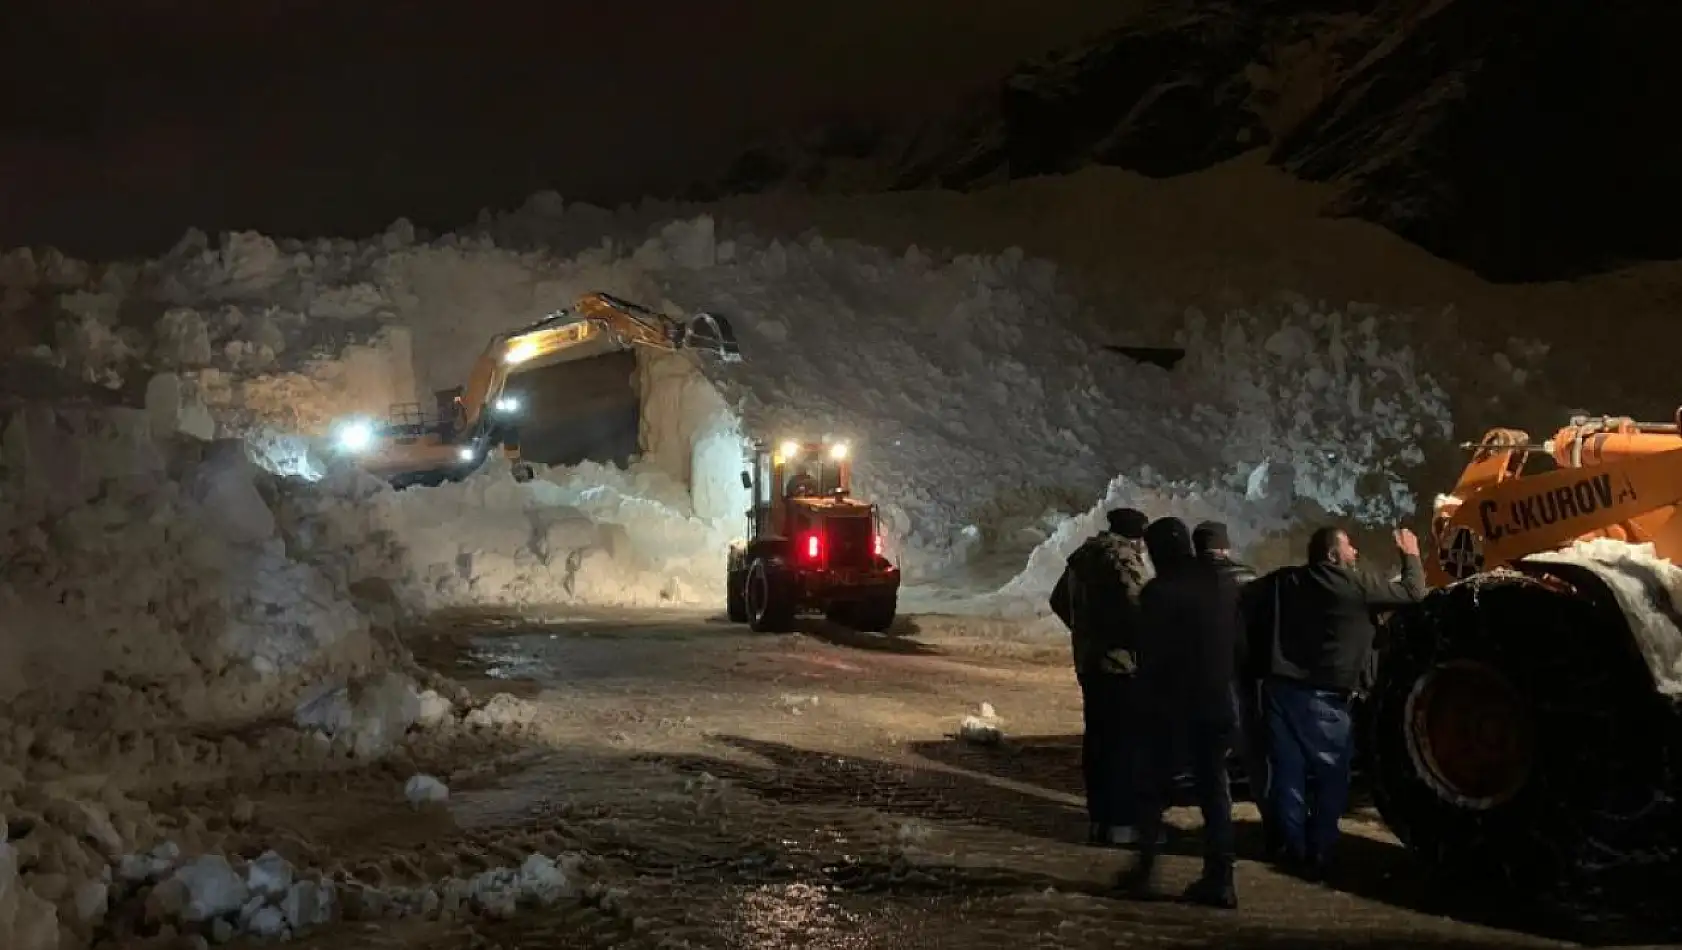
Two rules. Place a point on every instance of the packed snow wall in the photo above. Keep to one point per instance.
(987, 418)
(151, 575)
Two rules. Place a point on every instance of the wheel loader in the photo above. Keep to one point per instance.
(1523, 726)
(810, 545)
(484, 417)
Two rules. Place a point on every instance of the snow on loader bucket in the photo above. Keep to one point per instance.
(1523, 725)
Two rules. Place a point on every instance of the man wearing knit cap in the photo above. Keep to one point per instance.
(1214, 547)
(1188, 637)
(1098, 599)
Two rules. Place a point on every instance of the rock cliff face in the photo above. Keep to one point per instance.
(1527, 142)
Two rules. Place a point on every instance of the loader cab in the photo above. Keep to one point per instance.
(794, 477)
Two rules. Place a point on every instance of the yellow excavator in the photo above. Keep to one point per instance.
(1524, 723)
(481, 417)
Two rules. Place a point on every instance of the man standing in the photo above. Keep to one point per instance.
(1188, 640)
(1098, 599)
(1214, 547)
(1319, 648)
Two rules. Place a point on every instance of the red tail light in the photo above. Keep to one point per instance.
(813, 548)
(876, 545)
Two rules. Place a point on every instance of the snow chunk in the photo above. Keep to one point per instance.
(983, 728)
(270, 876)
(503, 710)
(213, 888)
(425, 789)
(371, 715)
(308, 904)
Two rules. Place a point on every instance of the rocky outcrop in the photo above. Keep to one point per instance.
(1523, 141)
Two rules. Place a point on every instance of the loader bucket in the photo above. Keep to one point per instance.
(712, 333)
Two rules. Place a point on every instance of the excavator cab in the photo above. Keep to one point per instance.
(483, 416)
(810, 544)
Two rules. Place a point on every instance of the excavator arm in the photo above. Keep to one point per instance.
(410, 448)
(595, 324)
(1613, 478)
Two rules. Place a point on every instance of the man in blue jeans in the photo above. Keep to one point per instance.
(1322, 636)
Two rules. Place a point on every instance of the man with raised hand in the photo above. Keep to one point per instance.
(1321, 640)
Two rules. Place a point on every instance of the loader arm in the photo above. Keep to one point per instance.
(1613, 478)
(595, 324)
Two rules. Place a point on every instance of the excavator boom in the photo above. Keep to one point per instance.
(475, 417)
(596, 323)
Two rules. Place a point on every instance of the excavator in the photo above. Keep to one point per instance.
(482, 417)
(810, 544)
(1523, 724)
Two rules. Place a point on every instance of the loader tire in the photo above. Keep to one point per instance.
(770, 599)
(874, 614)
(1515, 737)
(736, 596)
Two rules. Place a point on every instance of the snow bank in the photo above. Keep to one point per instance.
(984, 409)
(149, 576)
(1648, 588)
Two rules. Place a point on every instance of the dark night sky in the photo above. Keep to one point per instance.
(121, 124)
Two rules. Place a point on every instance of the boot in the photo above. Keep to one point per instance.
(1137, 881)
(1214, 888)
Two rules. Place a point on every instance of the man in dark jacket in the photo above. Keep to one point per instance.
(1098, 599)
(1188, 639)
(1316, 651)
(1214, 547)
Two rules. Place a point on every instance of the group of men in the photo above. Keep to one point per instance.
(1184, 656)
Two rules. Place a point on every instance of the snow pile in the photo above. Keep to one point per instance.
(268, 898)
(1648, 589)
(149, 576)
(984, 408)
(27, 922)
(209, 895)
(592, 534)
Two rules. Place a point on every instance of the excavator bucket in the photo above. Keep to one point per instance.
(711, 333)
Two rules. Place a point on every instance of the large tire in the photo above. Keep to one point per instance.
(874, 614)
(736, 596)
(1515, 735)
(769, 598)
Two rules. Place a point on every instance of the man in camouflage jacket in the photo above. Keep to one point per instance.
(1098, 599)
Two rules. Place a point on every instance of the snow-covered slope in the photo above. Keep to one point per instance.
(1453, 123)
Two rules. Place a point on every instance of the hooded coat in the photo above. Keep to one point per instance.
(1189, 631)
